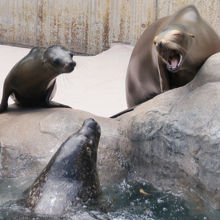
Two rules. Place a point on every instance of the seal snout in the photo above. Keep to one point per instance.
(70, 66)
(169, 52)
(91, 127)
(91, 123)
(159, 43)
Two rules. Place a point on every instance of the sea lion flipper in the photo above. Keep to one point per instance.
(7, 91)
(53, 104)
(123, 112)
(51, 91)
(50, 94)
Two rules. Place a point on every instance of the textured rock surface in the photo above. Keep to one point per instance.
(30, 137)
(172, 141)
(176, 136)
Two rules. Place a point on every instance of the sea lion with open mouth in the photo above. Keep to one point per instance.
(169, 54)
(32, 81)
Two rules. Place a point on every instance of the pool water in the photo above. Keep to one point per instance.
(124, 201)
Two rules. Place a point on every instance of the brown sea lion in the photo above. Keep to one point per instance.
(32, 81)
(169, 54)
(71, 176)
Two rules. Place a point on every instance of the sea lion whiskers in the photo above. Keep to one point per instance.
(172, 54)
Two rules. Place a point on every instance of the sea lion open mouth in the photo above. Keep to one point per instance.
(174, 60)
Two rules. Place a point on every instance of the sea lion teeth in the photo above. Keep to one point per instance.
(174, 61)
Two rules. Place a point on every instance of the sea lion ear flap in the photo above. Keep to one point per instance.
(44, 58)
(191, 35)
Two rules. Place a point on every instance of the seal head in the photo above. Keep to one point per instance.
(59, 59)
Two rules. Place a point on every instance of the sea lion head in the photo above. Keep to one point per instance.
(59, 59)
(172, 44)
(91, 131)
(86, 159)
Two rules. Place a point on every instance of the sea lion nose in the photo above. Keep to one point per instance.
(72, 64)
(91, 123)
(160, 44)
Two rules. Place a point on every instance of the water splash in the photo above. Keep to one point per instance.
(124, 201)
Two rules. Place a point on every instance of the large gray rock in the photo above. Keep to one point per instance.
(176, 137)
(29, 138)
(171, 141)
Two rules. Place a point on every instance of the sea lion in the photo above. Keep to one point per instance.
(32, 81)
(169, 54)
(71, 177)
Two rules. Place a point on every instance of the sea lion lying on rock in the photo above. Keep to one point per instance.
(32, 81)
(168, 54)
(71, 177)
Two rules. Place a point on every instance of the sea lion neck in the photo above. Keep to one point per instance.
(50, 71)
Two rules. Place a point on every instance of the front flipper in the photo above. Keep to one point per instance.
(7, 91)
(52, 104)
(50, 94)
(123, 112)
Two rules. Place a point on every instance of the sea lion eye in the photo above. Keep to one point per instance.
(71, 54)
(89, 152)
(178, 34)
(57, 61)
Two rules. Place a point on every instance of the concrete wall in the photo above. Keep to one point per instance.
(88, 26)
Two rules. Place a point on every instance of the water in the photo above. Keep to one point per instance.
(124, 201)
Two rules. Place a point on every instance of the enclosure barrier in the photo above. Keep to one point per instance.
(88, 26)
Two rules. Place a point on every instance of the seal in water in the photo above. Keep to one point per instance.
(32, 81)
(169, 54)
(71, 177)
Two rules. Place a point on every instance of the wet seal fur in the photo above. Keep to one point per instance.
(71, 176)
(169, 54)
(32, 81)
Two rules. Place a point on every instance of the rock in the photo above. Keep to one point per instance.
(30, 137)
(176, 137)
(171, 141)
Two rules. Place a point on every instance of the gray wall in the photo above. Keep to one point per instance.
(88, 26)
